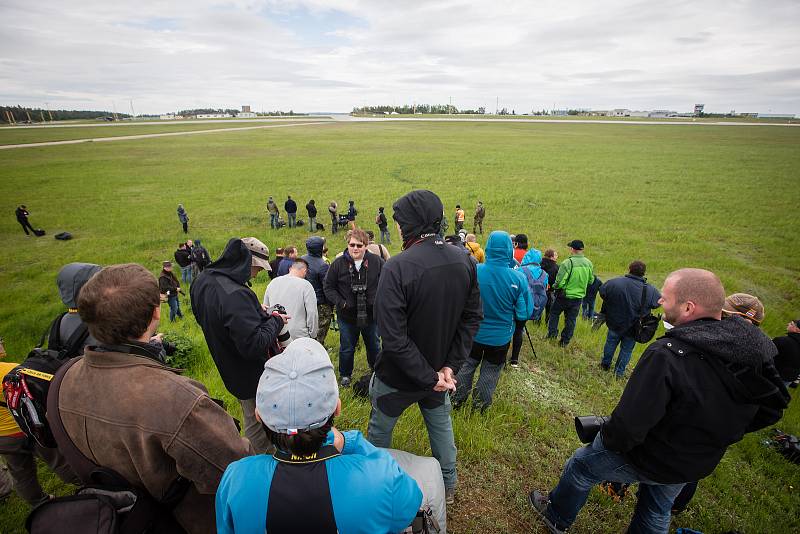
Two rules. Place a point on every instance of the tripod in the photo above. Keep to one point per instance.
(529, 340)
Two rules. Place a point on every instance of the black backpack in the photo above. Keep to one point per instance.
(25, 387)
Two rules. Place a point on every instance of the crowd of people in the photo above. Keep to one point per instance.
(430, 318)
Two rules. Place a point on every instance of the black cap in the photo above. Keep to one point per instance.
(577, 244)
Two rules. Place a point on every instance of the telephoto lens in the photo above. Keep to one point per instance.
(588, 426)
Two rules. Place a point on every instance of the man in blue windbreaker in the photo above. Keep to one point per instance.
(319, 479)
(506, 299)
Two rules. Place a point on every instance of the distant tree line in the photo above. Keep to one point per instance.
(22, 114)
(234, 112)
(438, 109)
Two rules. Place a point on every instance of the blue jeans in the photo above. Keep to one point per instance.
(491, 359)
(386, 236)
(626, 344)
(186, 274)
(312, 224)
(587, 307)
(593, 464)
(388, 404)
(291, 219)
(174, 307)
(273, 220)
(348, 337)
(571, 308)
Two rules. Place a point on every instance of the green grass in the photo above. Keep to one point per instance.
(723, 198)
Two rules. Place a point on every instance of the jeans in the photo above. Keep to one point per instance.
(186, 274)
(253, 430)
(570, 307)
(174, 308)
(587, 307)
(593, 464)
(626, 344)
(312, 224)
(386, 237)
(273, 220)
(348, 337)
(435, 408)
(291, 219)
(491, 359)
(185, 227)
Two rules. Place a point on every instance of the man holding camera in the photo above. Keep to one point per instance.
(696, 391)
(240, 334)
(296, 295)
(350, 286)
(125, 410)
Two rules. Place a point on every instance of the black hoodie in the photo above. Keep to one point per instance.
(428, 305)
(238, 332)
(694, 392)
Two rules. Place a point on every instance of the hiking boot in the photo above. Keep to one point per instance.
(539, 504)
(449, 495)
(345, 382)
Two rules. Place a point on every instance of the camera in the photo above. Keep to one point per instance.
(284, 337)
(169, 348)
(588, 426)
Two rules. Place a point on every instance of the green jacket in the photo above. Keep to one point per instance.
(574, 275)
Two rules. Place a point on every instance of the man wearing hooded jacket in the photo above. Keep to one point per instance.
(240, 334)
(696, 391)
(429, 283)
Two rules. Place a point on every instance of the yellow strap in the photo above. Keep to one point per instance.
(36, 374)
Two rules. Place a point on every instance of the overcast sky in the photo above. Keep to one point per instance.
(332, 55)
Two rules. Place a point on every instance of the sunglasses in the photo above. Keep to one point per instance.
(355, 245)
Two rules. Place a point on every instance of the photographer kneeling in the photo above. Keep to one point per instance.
(319, 479)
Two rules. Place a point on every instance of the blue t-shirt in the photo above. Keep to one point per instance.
(370, 493)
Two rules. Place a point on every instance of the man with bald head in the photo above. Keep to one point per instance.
(696, 391)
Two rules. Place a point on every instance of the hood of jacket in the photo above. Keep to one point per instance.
(71, 279)
(314, 246)
(499, 250)
(418, 212)
(533, 260)
(733, 340)
(235, 261)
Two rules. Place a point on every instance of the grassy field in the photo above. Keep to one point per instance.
(723, 198)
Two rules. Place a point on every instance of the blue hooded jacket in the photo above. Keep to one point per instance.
(504, 292)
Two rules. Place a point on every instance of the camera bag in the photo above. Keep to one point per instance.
(646, 324)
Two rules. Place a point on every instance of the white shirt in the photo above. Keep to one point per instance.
(358, 264)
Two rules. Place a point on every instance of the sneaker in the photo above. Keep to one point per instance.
(345, 382)
(514, 365)
(539, 504)
(449, 495)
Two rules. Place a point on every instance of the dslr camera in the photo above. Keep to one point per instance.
(283, 337)
(588, 426)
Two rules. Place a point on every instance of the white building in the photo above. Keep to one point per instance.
(246, 115)
(213, 116)
(170, 117)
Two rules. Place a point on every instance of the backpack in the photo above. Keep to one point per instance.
(108, 503)
(200, 256)
(538, 289)
(63, 236)
(25, 387)
(378, 219)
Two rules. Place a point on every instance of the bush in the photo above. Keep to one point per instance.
(186, 354)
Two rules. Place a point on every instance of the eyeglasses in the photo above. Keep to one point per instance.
(355, 245)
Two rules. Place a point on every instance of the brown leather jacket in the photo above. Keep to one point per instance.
(147, 422)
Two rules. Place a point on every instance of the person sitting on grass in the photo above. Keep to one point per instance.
(319, 479)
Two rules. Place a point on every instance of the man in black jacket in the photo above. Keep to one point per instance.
(183, 257)
(550, 266)
(695, 391)
(350, 285)
(22, 218)
(317, 270)
(312, 216)
(428, 310)
(624, 299)
(291, 211)
(240, 334)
